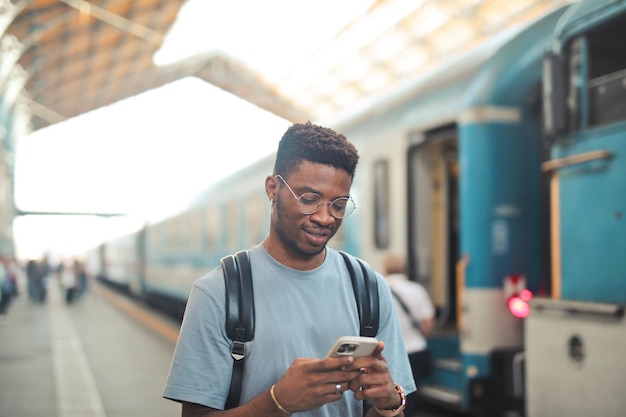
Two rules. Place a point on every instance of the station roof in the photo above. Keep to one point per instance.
(75, 56)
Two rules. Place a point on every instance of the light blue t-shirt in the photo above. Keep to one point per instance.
(297, 315)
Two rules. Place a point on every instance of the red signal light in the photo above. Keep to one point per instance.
(525, 294)
(518, 304)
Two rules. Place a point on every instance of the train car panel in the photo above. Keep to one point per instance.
(574, 364)
(504, 330)
(586, 247)
(122, 265)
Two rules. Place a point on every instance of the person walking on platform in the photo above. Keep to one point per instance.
(303, 299)
(80, 274)
(416, 315)
(68, 282)
(33, 279)
(37, 273)
(6, 292)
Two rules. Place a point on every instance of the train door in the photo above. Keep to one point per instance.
(138, 284)
(434, 219)
(433, 247)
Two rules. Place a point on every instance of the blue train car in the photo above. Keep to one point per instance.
(574, 337)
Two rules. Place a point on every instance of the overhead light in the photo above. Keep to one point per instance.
(346, 96)
(390, 44)
(410, 61)
(353, 68)
(374, 80)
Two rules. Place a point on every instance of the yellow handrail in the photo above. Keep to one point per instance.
(575, 159)
(461, 267)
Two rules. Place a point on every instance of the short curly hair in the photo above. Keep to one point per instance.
(307, 141)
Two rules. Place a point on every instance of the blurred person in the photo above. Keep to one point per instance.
(39, 272)
(416, 315)
(41, 279)
(69, 282)
(8, 262)
(309, 195)
(33, 278)
(14, 274)
(80, 274)
(8, 283)
(5, 290)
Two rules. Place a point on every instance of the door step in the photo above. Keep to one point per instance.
(440, 395)
(451, 365)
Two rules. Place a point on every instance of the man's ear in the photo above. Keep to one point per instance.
(271, 187)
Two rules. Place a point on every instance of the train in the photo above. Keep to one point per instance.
(500, 176)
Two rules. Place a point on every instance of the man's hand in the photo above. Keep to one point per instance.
(310, 383)
(374, 382)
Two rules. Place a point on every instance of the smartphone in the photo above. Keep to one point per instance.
(355, 346)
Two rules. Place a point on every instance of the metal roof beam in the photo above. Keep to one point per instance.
(117, 21)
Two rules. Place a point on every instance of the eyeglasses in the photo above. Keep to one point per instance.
(309, 203)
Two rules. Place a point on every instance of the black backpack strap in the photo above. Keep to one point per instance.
(365, 292)
(239, 316)
(406, 310)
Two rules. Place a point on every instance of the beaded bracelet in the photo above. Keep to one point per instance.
(276, 403)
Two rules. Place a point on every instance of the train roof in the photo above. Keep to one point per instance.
(505, 78)
(584, 14)
(522, 41)
(493, 73)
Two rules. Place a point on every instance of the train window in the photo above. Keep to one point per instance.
(155, 239)
(212, 228)
(606, 57)
(172, 234)
(597, 77)
(255, 216)
(183, 234)
(576, 68)
(169, 235)
(381, 204)
(195, 228)
(233, 226)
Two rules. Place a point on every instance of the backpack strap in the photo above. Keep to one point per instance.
(406, 310)
(239, 316)
(365, 292)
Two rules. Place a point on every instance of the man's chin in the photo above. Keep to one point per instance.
(313, 251)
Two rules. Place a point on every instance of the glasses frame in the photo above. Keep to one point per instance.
(329, 204)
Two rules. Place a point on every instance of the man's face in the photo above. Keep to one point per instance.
(306, 235)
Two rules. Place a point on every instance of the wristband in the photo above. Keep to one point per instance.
(395, 411)
(276, 403)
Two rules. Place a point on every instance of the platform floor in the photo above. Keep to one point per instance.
(86, 359)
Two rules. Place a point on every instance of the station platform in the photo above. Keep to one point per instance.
(101, 356)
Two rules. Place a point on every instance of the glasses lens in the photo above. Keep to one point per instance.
(342, 207)
(309, 203)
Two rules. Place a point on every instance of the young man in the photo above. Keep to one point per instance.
(303, 300)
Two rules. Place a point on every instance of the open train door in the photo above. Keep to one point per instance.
(433, 218)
